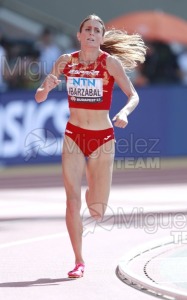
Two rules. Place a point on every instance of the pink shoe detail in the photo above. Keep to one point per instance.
(77, 272)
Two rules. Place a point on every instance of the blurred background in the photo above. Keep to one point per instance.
(34, 34)
(150, 170)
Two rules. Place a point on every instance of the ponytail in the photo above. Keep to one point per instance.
(129, 49)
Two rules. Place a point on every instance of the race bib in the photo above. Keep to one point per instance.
(89, 90)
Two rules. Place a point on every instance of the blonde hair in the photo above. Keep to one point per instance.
(128, 48)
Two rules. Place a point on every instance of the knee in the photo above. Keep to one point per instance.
(73, 205)
(97, 210)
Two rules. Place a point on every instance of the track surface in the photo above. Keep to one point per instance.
(35, 249)
(46, 177)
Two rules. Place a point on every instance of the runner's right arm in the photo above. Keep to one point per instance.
(51, 80)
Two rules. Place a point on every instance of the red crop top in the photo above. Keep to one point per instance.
(89, 87)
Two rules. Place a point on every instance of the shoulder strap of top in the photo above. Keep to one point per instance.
(103, 56)
(102, 59)
(75, 54)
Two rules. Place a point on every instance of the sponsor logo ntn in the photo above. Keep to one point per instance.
(84, 82)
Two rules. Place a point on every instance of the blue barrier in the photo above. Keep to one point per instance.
(32, 133)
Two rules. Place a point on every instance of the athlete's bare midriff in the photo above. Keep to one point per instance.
(90, 119)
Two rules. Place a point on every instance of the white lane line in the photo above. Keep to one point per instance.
(40, 238)
(32, 240)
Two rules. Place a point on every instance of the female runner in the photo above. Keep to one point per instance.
(90, 74)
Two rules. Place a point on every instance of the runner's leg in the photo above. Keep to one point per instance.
(99, 176)
(73, 165)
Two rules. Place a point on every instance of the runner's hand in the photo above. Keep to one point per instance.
(120, 119)
(51, 82)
